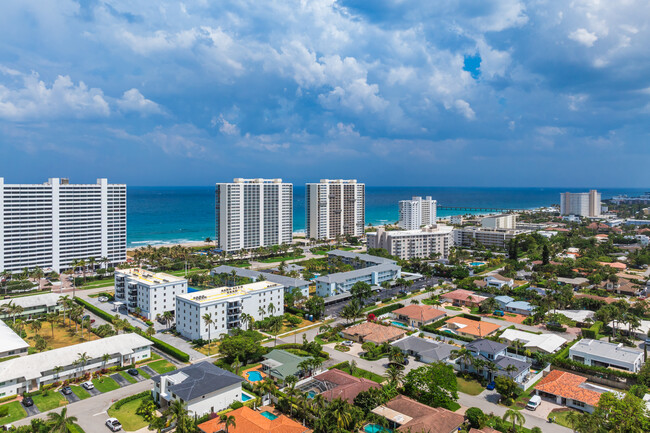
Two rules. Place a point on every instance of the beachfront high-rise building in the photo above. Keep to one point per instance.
(586, 204)
(52, 224)
(334, 208)
(424, 242)
(253, 213)
(417, 212)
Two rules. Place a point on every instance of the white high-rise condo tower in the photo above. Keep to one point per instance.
(50, 225)
(417, 212)
(253, 213)
(334, 208)
(586, 204)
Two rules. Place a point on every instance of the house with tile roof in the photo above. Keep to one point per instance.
(469, 328)
(335, 383)
(417, 315)
(249, 421)
(570, 390)
(461, 297)
(425, 350)
(407, 415)
(203, 388)
(373, 332)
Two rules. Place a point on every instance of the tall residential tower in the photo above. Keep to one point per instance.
(334, 208)
(52, 224)
(417, 212)
(586, 204)
(253, 213)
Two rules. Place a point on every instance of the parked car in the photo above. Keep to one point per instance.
(133, 371)
(405, 362)
(7, 427)
(27, 401)
(347, 343)
(534, 402)
(102, 299)
(491, 386)
(88, 385)
(66, 390)
(113, 424)
(498, 313)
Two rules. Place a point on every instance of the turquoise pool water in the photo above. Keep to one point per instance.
(192, 290)
(477, 263)
(311, 394)
(268, 415)
(254, 376)
(376, 428)
(400, 324)
(245, 397)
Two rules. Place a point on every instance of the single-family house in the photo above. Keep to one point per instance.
(570, 390)
(524, 308)
(425, 350)
(335, 383)
(502, 301)
(373, 332)
(280, 364)
(248, 420)
(461, 297)
(507, 364)
(582, 316)
(470, 328)
(603, 354)
(407, 415)
(498, 281)
(544, 343)
(203, 388)
(624, 287)
(417, 315)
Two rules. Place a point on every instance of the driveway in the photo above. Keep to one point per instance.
(31, 410)
(150, 371)
(93, 392)
(72, 397)
(544, 409)
(120, 379)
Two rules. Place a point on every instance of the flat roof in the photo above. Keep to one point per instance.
(362, 256)
(219, 293)
(44, 300)
(9, 340)
(150, 278)
(607, 350)
(248, 273)
(342, 277)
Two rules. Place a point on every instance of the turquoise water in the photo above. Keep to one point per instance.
(192, 290)
(245, 397)
(400, 324)
(268, 415)
(376, 428)
(477, 263)
(311, 394)
(254, 376)
(163, 215)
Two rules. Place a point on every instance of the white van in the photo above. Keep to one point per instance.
(534, 402)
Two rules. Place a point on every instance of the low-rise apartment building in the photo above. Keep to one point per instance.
(335, 284)
(289, 283)
(10, 343)
(503, 221)
(603, 354)
(28, 373)
(357, 260)
(226, 305)
(470, 236)
(152, 293)
(33, 306)
(407, 244)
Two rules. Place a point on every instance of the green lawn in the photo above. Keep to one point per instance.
(161, 367)
(471, 387)
(144, 373)
(453, 308)
(105, 384)
(126, 415)
(108, 282)
(282, 258)
(74, 428)
(360, 372)
(182, 273)
(453, 406)
(127, 376)
(80, 392)
(49, 400)
(16, 412)
(560, 417)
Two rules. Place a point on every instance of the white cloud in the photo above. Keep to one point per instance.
(463, 108)
(226, 127)
(133, 100)
(584, 37)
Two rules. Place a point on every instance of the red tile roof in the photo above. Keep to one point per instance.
(374, 332)
(567, 385)
(347, 386)
(425, 419)
(463, 295)
(423, 313)
(249, 421)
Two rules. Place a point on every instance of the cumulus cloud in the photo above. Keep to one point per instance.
(133, 100)
(584, 37)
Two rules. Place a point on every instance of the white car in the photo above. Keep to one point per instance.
(113, 424)
(102, 299)
(88, 385)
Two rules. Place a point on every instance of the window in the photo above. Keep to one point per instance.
(578, 403)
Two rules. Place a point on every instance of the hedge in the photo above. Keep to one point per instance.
(470, 317)
(98, 311)
(294, 310)
(569, 364)
(592, 331)
(386, 309)
(124, 401)
(322, 353)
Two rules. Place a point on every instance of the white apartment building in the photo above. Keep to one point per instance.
(253, 213)
(585, 204)
(469, 236)
(226, 305)
(408, 244)
(28, 373)
(334, 208)
(503, 221)
(417, 212)
(153, 293)
(49, 225)
(456, 220)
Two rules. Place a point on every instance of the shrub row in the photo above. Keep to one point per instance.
(98, 311)
(321, 354)
(386, 309)
(294, 310)
(592, 331)
(569, 364)
(124, 401)
(470, 317)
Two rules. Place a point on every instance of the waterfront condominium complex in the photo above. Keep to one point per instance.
(152, 293)
(253, 213)
(586, 204)
(503, 221)
(417, 212)
(470, 236)
(226, 305)
(52, 224)
(409, 244)
(334, 208)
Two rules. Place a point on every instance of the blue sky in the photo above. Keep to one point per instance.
(392, 92)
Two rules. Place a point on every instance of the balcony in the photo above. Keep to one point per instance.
(234, 311)
(133, 304)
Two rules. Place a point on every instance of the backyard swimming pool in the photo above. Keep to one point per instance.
(245, 397)
(254, 376)
(268, 415)
(400, 324)
(376, 428)
(477, 263)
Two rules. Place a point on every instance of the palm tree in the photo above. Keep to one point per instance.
(227, 420)
(267, 387)
(275, 328)
(51, 318)
(60, 422)
(36, 326)
(150, 331)
(340, 412)
(244, 320)
(168, 316)
(290, 382)
(83, 359)
(105, 358)
(515, 416)
(176, 412)
(261, 311)
(465, 356)
(395, 375)
(236, 365)
(517, 345)
(511, 368)
(57, 369)
(270, 309)
(207, 319)
(352, 367)
(63, 301)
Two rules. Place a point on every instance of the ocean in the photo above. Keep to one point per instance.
(167, 215)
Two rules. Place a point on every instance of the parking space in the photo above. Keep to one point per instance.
(31, 410)
(72, 397)
(120, 379)
(139, 377)
(93, 392)
(150, 371)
